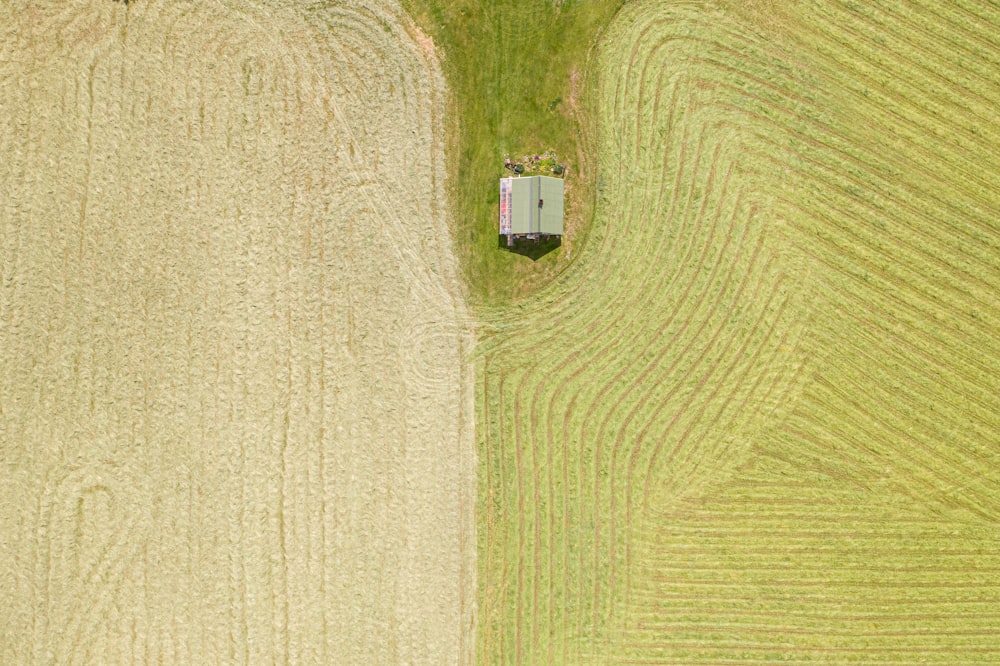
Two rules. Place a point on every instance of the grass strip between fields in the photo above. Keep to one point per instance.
(519, 79)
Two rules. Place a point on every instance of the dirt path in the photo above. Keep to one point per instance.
(235, 413)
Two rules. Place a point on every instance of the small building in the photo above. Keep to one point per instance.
(531, 207)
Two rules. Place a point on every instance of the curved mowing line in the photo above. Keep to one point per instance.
(650, 365)
(912, 210)
(722, 409)
(823, 128)
(657, 448)
(915, 212)
(903, 284)
(634, 374)
(583, 428)
(656, 335)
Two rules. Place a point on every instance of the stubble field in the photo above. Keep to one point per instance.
(234, 417)
(758, 420)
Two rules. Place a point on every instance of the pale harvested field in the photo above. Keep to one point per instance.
(234, 423)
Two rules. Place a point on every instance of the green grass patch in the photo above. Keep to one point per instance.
(517, 75)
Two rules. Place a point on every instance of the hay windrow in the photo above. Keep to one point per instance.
(757, 421)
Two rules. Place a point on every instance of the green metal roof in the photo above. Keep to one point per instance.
(536, 205)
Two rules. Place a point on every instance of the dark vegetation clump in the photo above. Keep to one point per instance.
(546, 163)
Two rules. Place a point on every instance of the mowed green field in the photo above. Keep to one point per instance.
(758, 420)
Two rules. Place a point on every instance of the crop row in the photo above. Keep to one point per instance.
(789, 295)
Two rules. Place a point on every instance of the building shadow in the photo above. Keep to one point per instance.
(533, 249)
